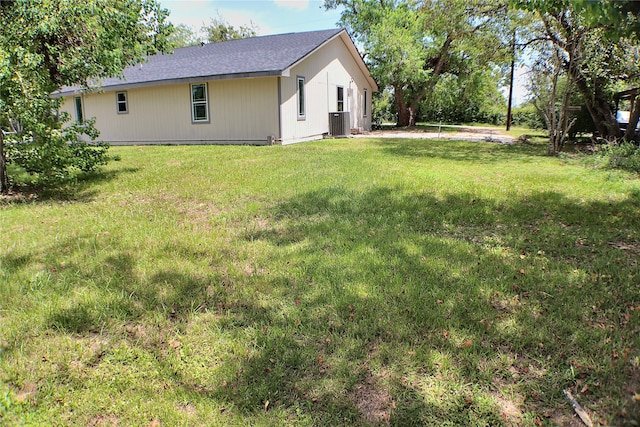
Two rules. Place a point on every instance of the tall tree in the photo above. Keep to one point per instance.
(411, 44)
(596, 40)
(48, 44)
(471, 95)
(183, 36)
(219, 30)
(551, 89)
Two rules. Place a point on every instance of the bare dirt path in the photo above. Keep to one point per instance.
(465, 133)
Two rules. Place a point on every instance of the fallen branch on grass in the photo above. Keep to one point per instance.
(576, 407)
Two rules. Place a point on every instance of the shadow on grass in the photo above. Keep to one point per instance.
(383, 307)
(482, 152)
(82, 191)
(458, 282)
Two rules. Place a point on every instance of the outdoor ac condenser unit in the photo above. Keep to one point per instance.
(339, 124)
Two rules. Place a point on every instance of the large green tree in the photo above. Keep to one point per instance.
(183, 36)
(219, 30)
(595, 40)
(411, 44)
(470, 95)
(47, 44)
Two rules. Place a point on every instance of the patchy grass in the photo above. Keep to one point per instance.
(343, 282)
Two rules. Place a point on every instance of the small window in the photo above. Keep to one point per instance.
(340, 98)
(199, 104)
(364, 108)
(121, 102)
(301, 99)
(79, 112)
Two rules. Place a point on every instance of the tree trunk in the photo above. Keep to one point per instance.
(412, 114)
(633, 120)
(595, 99)
(598, 107)
(4, 181)
(404, 115)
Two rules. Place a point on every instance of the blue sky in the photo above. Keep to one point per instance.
(267, 16)
(272, 17)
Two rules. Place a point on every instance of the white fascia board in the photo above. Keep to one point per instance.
(346, 39)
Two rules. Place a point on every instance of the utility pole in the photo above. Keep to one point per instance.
(513, 63)
(4, 181)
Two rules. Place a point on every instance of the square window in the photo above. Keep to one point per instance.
(199, 93)
(199, 112)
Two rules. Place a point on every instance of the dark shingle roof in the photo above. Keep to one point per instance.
(257, 56)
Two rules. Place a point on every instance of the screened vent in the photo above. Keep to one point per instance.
(339, 124)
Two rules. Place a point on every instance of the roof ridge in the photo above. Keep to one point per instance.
(281, 35)
(259, 56)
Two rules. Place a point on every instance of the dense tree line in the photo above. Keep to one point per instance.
(412, 46)
(217, 30)
(446, 58)
(587, 48)
(436, 59)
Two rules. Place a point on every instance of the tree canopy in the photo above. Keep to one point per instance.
(48, 44)
(597, 44)
(183, 36)
(219, 30)
(412, 45)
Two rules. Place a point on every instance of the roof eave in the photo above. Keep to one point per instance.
(124, 85)
(352, 49)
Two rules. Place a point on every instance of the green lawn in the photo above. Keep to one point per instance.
(340, 282)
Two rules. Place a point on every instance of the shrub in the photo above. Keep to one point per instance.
(384, 110)
(55, 156)
(625, 155)
(527, 116)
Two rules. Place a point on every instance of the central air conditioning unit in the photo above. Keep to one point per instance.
(339, 124)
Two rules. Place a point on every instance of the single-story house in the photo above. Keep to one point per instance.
(260, 90)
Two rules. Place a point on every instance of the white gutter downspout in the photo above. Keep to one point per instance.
(328, 108)
(279, 137)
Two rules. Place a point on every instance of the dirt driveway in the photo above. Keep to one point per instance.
(465, 133)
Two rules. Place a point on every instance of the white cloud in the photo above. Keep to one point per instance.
(293, 4)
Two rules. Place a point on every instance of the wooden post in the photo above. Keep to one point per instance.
(513, 63)
(4, 181)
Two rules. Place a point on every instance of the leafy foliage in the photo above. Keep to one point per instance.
(59, 155)
(383, 108)
(526, 115)
(465, 98)
(183, 36)
(46, 45)
(625, 155)
(220, 30)
(596, 42)
(412, 45)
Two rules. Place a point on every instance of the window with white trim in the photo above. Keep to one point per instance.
(121, 103)
(301, 99)
(340, 105)
(365, 100)
(199, 103)
(79, 110)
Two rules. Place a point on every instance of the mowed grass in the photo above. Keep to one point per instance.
(341, 282)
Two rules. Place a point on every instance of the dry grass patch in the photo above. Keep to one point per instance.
(373, 401)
